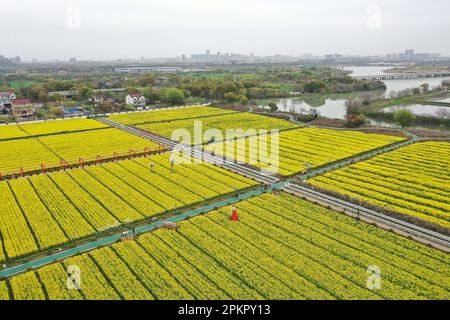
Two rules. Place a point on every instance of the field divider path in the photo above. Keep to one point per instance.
(194, 152)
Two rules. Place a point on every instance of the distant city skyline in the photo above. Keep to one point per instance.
(209, 55)
(109, 30)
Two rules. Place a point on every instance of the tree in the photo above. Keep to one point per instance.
(57, 112)
(231, 97)
(354, 106)
(273, 106)
(243, 101)
(34, 91)
(43, 96)
(443, 113)
(105, 107)
(131, 90)
(151, 96)
(174, 96)
(40, 114)
(57, 97)
(425, 87)
(147, 80)
(84, 92)
(314, 86)
(354, 121)
(404, 117)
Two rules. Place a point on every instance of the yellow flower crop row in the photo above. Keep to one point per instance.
(11, 131)
(332, 248)
(45, 229)
(48, 127)
(94, 211)
(54, 280)
(281, 247)
(58, 126)
(413, 180)
(29, 154)
(89, 144)
(313, 146)
(235, 121)
(180, 178)
(198, 286)
(48, 210)
(17, 237)
(120, 275)
(67, 215)
(167, 115)
(211, 269)
(162, 285)
(93, 285)
(27, 287)
(4, 292)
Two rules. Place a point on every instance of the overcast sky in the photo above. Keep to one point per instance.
(110, 29)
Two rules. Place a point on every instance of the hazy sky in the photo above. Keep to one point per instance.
(109, 29)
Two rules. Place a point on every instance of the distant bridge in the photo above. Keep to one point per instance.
(404, 76)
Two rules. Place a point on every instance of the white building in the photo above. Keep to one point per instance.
(6, 99)
(135, 99)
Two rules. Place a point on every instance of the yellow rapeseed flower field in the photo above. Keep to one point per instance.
(160, 115)
(302, 149)
(412, 180)
(234, 121)
(47, 210)
(282, 247)
(11, 131)
(30, 153)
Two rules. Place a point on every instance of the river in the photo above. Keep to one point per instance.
(333, 106)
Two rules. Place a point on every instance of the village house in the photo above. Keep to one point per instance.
(24, 109)
(97, 99)
(135, 99)
(6, 99)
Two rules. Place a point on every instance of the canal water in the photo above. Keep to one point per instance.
(393, 85)
(334, 106)
(419, 109)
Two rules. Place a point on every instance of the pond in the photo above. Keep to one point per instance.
(420, 109)
(441, 98)
(329, 108)
(333, 106)
(391, 124)
(394, 85)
